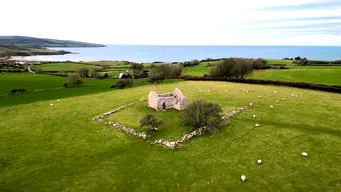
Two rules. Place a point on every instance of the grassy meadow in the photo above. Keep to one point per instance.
(329, 75)
(46, 87)
(63, 67)
(59, 148)
(321, 75)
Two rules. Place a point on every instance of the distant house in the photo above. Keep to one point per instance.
(123, 75)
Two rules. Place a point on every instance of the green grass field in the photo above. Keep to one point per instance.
(46, 87)
(63, 67)
(330, 75)
(59, 148)
(196, 71)
(320, 75)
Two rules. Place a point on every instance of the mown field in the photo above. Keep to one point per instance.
(46, 87)
(59, 148)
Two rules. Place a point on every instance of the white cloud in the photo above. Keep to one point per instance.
(215, 22)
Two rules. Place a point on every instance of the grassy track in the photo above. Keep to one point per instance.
(59, 148)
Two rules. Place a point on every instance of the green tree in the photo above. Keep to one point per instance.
(200, 113)
(151, 120)
(73, 80)
(232, 68)
(83, 72)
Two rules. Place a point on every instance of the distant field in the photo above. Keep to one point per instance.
(63, 67)
(331, 76)
(111, 73)
(46, 87)
(196, 71)
(279, 61)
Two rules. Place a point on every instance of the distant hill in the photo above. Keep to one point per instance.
(24, 41)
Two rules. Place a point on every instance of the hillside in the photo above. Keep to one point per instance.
(13, 50)
(40, 42)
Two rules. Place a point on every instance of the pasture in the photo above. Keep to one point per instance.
(45, 87)
(59, 148)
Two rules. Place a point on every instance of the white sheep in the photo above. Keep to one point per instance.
(304, 154)
(58, 100)
(254, 116)
(259, 96)
(275, 91)
(51, 105)
(243, 178)
(277, 101)
(257, 125)
(283, 99)
(251, 104)
(271, 106)
(259, 161)
(246, 91)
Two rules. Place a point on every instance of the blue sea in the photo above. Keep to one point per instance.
(151, 53)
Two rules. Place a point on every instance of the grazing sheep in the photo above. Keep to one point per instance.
(251, 104)
(283, 99)
(243, 178)
(277, 101)
(271, 106)
(304, 154)
(58, 100)
(259, 161)
(275, 91)
(254, 116)
(257, 125)
(51, 105)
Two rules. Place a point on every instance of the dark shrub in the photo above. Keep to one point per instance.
(232, 68)
(14, 91)
(84, 72)
(151, 120)
(73, 81)
(203, 114)
(155, 78)
(122, 83)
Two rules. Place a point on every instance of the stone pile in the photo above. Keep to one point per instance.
(100, 117)
(234, 112)
(130, 130)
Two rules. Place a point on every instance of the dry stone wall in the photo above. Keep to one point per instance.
(162, 142)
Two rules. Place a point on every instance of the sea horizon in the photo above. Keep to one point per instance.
(178, 53)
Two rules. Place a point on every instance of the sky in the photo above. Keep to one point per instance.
(177, 22)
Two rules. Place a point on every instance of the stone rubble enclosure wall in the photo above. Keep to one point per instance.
(169, 144)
